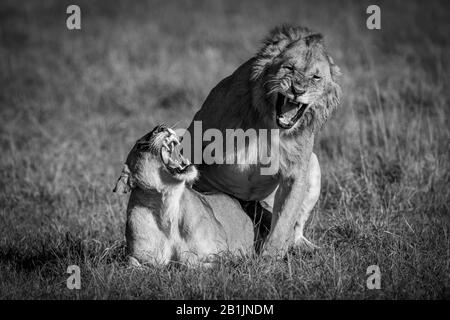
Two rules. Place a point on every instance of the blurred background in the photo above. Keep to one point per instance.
(73, 102)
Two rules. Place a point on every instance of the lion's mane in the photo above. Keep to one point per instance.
(273, 45)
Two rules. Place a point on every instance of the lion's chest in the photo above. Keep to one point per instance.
(245, 184)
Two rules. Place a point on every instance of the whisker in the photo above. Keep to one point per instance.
(175, 124)
(271, 91)
(271, 81)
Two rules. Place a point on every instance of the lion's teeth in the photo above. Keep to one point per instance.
(165, 157)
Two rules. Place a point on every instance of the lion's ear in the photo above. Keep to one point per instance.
(330, 102)
(333, 97)
(334, 92)
(313, 38)
(124, 184)
(334, 69)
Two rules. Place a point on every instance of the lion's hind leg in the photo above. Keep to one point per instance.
(261, 218)
(310, 200)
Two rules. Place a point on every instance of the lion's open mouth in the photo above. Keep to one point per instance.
(288, 111)
(171, 156)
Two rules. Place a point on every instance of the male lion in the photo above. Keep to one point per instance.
(167, 221)
(291, 85)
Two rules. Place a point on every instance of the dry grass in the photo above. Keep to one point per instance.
(73, 102)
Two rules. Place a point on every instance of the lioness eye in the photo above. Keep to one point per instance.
(316, 77)
(288, 67)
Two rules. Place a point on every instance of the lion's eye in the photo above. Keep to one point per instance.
(316, 77)
(288, 67)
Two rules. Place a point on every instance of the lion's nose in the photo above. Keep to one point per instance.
(297, 91)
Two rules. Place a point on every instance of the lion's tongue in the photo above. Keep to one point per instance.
(176, 160)
(289, 110)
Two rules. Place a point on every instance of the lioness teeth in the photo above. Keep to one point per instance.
(170, 155)
(174, 163)
(165, 146)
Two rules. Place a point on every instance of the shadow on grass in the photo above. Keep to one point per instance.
(49, 253)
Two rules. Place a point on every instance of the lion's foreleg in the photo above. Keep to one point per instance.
(288, 200)
(310, 200)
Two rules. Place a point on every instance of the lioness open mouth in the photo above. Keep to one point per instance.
(171, 156)
(288, 111)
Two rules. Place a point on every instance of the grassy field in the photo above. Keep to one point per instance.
(72, 103)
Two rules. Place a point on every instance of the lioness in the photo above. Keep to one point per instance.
(290, 85)
(167, 220)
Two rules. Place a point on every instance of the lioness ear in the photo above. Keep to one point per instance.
(124, 183)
